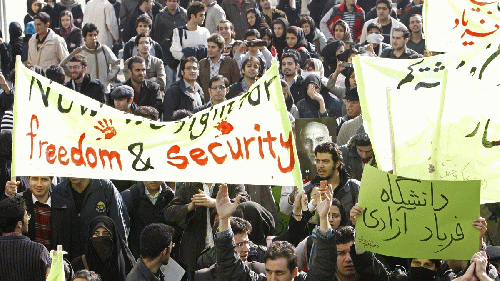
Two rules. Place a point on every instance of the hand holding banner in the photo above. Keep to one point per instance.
(412, 218)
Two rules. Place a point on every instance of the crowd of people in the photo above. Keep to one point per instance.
(168, 59)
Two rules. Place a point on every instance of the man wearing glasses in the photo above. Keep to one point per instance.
(185, 93)
(218, 89)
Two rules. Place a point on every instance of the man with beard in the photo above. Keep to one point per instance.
(329, 168)
(250, 70)
(156, 246)
(146, 92)
(102, 64)
(400, 37)
(81, 80)
(21, 258)
(289, 68)
(185, 93)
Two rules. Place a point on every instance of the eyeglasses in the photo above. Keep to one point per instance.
(191, 67)
(144, 43)
(241, 244)
(220, 87)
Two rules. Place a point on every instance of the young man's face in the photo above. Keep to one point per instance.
(288, 67)
(91, 39)
(144, 45)
(251, 69)
(40, 186)
(278, 30)
(265, 4)
(172, 5)
(277, 270)
(40, 27)
(398, 40)
(224, 30)
(143, 28)
(190, 71)
(137, 72)
(345, 266)
(353, 108)
(218, 91)
(242, 245)
(383, 11)
(122, 104)
(325, 166)
(76, 70)
(200, 18)
(416, 24)
(213, 50)
(365, 152)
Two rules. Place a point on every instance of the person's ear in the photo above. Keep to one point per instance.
(295, 272)
(19, 225)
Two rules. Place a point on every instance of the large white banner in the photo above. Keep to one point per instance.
(244, 140)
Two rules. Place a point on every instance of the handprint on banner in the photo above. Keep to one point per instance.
(106, 128)
(473, 33)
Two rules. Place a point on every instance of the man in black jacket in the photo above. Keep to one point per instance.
(280, 258)
(81, 80)
(145, 92)
(145, 202)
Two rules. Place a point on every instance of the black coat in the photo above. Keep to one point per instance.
(74, 39)
(235, 90)
(128, 50)
(309, 108)
(16, 42)
(90, 87)
(176, 98)
(150, 95)
(142, 212)
(59, 220)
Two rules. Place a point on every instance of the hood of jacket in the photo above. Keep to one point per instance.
(15, 30)
(361, 138)
(258, 18)
(285, 27)
(301, 39)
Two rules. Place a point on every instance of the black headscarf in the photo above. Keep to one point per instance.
(29, 10)
(329, 54)
(258, 18)
(119, 261)
(312, 32)
(301, 39)
(262, 221)
(280, 42)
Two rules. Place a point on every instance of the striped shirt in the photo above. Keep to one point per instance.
(42, 224)
(350, 18)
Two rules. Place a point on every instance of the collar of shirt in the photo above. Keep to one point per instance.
(189, 87)
(153, 198)
(244, 85)
(36, 200)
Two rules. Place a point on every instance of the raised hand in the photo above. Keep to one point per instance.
(225, 208)
(355, 212)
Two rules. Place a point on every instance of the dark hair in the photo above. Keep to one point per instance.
(387, 2)
(290, 54)
(89, 27)
(344, 234)
(294, 30)
(333, 149)
(139, 36)
(218, 78)
(68, 270)
(343, 218)
(55, 73)
(251, 58)
(79, 58)
(145, 19)
(374, 25)
(186, 60)
(252, 32)
(265, 31)
(141, 1)
(282, 249)
(147, 112)
(180, 114)
(12, 211)
(217, 39)
(87, 275)
(42, 16)
(134, 59)
(406, 33)
(6, 143)
(194, 8)
(239, 225)
(155, 238)
(65, 13)
(308, 20)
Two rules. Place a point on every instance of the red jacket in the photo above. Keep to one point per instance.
(359, 20)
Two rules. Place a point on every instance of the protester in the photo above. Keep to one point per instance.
(67, 30)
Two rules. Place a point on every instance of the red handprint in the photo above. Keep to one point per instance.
(107, 129)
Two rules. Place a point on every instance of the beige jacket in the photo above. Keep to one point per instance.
(52, 51)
